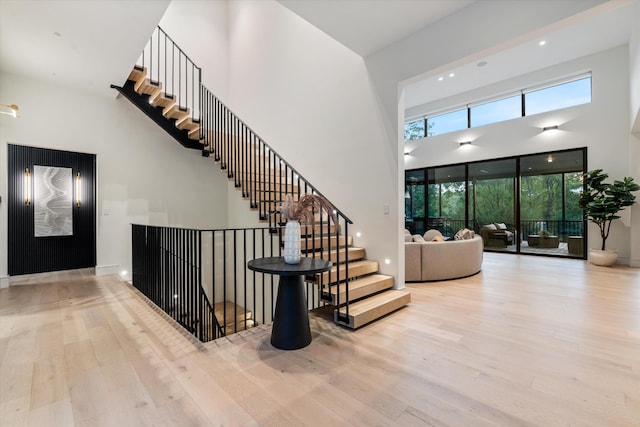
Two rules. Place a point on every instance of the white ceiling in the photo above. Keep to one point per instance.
(366, 26)
(603, 28)
(89, 44)
(93, 43)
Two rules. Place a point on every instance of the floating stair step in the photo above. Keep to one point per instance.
(189, 124)
(355, 254)
(163, 100)
(360, 288)
(148, 87)
(137, 74)
(176, 112)
(195, 133)
(309, 244)
(234, 313)
(239, 326)
(356, 269)
(374, 307)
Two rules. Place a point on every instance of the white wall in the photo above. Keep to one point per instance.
(199, 27)
(144, 175)
(602, 126)
(311, 99)
(634, 139)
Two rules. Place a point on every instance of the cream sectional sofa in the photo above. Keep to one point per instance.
(428, 260)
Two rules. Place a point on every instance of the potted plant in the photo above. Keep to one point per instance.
(601, 202)
(303, 210)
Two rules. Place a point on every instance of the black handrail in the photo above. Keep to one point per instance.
(185, 74)
(192, 274)
(167, 269)
(262, 175)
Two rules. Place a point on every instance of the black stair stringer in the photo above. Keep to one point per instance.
(155, 114)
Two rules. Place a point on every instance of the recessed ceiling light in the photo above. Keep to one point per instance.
(440, 78)
(482, 63)
(542, 43)
(451, 74)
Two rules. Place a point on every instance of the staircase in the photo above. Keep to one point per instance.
(354, 286)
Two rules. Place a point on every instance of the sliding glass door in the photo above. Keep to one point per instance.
(550, 220)
(523, 204)
(493, 203)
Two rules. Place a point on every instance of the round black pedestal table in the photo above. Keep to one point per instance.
(290, 329)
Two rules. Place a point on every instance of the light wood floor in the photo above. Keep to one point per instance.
(529, 341)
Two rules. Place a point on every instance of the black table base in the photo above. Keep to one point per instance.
(290, 329)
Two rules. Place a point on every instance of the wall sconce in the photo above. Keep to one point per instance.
(461, 143)
(78, 190)
(546, 128)
(9, 110)
(26, 187)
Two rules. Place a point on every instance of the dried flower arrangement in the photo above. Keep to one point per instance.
(303, 210)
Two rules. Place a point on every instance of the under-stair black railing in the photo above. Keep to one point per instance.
(199, 277)
(168, 65)
(167, 269)
(262, 175)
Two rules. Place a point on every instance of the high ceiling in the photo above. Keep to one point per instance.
(67, 41)
(366, 26)
(89, 44)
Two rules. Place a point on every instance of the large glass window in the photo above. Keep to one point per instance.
(414, 130)
(414, 201)
(496, 111)
(554, 97)
(533, 211)
(448, 122)
(564, 95)
(492, 202)
(446, 199)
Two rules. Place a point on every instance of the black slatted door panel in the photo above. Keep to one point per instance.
(30, 254)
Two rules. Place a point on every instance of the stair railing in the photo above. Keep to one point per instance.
(262, 175)
(265, 178)
(167, 269)
(192, 275)
(166, 63)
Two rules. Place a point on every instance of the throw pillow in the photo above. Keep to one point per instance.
(418, 238)
(464, 234)
(408, 238)
(490, 227)
(430, 234)
(501, 225)
(438, 239)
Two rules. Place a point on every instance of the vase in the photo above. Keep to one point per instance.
(605, 258)
(292, 242)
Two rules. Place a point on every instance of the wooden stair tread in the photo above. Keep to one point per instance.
(163, 100)
(374, 307)
(356, 269)
(176, 112)
(354, 254)
(137, 74)
(310, 244)
(360, 288)
(148, 87)
(241, 313)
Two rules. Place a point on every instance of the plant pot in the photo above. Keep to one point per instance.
(604, 258)
(292, 242)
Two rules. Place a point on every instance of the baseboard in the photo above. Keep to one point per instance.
(634, 263)
(4, 282)
(106, 270)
